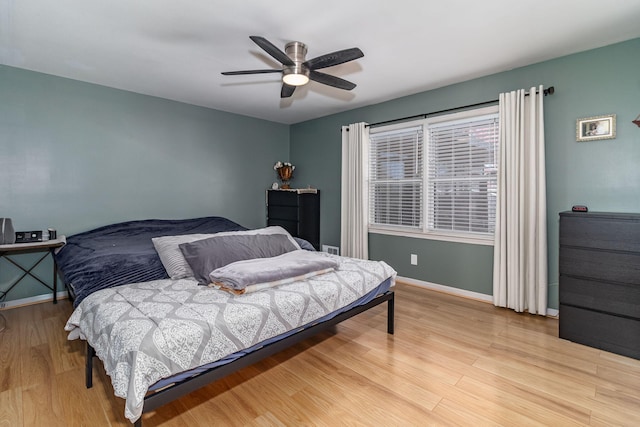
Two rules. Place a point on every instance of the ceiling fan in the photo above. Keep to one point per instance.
(296, 71)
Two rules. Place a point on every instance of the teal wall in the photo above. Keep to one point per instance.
(74, 156)
(605, 175)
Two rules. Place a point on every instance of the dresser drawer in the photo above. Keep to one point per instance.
(601, 265)
(284, 198)
(611, 333)
(615, 298)
(289, 213)
(619, 232)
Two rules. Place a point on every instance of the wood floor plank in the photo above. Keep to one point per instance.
(267, 420)
(300, 409)
(353, 390)
(217, 407)
(518, 390)
(543, 356)
(562, 387)
(617, 361)
(11, 412)
(324, 407)
(398, 378)
(10, 354)
(519, 406)
(29, 325)
(65, 355)
(83, 406)
(36, 365)
(618, 376)
(42, 405)
(458, 415)
(613, 420)
(613, 406)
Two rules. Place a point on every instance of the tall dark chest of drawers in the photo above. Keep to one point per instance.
(297, 211)
(600, 280)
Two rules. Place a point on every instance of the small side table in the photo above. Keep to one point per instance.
(48, 246)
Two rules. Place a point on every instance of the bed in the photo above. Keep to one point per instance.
(163, 326)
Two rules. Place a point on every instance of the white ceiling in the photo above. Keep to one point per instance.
(177, 49)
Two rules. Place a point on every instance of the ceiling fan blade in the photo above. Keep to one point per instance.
(287, 90)
(237, 73)
(272, 50)
(331, 80)
(334, 58)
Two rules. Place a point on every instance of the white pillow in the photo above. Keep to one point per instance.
(177, 266)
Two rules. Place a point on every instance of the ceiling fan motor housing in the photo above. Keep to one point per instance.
(297, 52)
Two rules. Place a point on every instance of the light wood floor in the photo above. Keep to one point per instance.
(452, 361)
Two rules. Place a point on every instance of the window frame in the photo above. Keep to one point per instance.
(398, 129)
(423, 232)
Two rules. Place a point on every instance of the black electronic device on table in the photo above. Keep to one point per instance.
(580, 208)
(28, 236)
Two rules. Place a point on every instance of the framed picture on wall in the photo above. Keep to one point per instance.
(595, 128)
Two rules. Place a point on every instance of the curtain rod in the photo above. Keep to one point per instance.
(546, 92)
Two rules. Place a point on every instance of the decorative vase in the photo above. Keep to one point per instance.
(285, 173)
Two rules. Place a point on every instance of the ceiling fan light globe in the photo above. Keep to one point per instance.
(295, 79)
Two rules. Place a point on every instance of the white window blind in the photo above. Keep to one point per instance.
(462, 174)
(396, 177)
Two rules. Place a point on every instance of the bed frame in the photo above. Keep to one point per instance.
(155, 399)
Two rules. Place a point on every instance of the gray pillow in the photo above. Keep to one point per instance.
(173, 260)
(170, 255)
(206, 255)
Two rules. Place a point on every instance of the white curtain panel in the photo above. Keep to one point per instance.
(354, 237)
(520, 249)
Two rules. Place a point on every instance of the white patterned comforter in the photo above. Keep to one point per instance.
(148, 331)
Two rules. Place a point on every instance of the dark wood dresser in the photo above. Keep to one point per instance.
(600, 280)
(297, 211)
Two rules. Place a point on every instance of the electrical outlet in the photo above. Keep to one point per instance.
(3, 305)
(333, 250)
(414, 259)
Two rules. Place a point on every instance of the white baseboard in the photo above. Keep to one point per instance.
(32, 300)
(551, 312)
(447, 289)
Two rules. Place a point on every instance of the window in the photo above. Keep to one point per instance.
(452, 194)
(396, 177)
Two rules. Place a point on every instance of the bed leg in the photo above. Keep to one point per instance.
(88, 369)
(390, 314)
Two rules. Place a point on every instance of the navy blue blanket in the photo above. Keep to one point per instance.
(123, 253)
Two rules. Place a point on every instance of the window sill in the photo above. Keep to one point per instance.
(471, 239)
